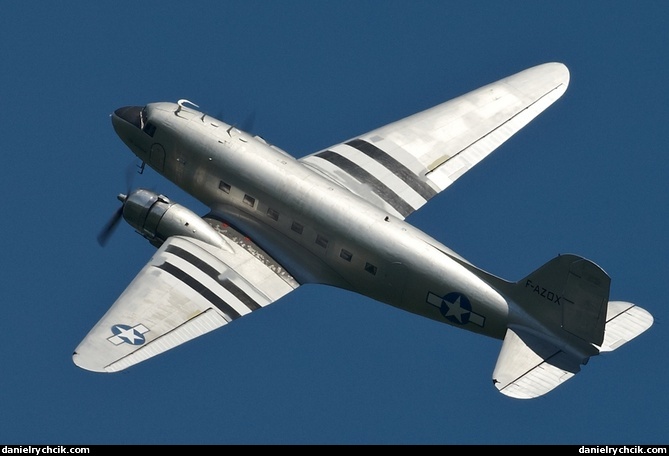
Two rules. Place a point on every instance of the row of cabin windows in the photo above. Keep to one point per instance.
(298, 228)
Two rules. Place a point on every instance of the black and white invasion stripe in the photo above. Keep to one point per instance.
(363, 161)
(211, 295)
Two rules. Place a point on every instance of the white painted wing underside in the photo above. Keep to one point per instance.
(528, 366)
(187, 289)
(400, 166)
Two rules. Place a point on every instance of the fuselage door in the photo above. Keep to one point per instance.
(157, 157)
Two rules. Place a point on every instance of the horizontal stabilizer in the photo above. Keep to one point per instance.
(529, 366)
(624, 321)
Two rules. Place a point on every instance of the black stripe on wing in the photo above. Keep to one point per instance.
(397, 168)
(360, 174)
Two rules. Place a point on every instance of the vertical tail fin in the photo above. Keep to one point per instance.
(568, 294)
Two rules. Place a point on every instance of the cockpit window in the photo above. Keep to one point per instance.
(146, 126)
(149, 129)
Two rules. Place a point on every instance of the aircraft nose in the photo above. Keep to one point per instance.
(131, 114)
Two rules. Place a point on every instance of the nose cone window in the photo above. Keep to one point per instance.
(131, 114)
(136, 115)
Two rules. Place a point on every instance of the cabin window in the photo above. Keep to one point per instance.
(370, 268)
(271, 213)
(346, 255)
(297, 227)
(322, 241)
(223, 186)
(249, 200)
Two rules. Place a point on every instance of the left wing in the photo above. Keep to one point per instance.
(187, 289)
(400, 166)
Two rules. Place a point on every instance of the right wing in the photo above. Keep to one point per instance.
(187, 289)
(401, 166)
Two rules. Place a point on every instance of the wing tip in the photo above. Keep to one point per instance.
(83, 363)
(558, 69)
(553, 77)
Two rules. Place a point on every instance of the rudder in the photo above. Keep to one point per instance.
(570, 293)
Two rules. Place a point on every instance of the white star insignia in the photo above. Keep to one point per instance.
(455, 310)
(128, 335)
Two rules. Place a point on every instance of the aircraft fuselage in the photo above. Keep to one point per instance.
(319, 231)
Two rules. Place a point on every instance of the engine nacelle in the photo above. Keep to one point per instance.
(156, 218)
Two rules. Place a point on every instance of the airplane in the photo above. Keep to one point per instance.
(337, 217)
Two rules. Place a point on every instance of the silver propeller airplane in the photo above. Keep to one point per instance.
(337, 217)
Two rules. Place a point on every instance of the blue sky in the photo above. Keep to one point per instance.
(324, 366)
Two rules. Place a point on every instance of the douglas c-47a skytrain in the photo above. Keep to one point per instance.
(337, 217)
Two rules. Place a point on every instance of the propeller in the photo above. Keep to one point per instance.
(111, 225)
